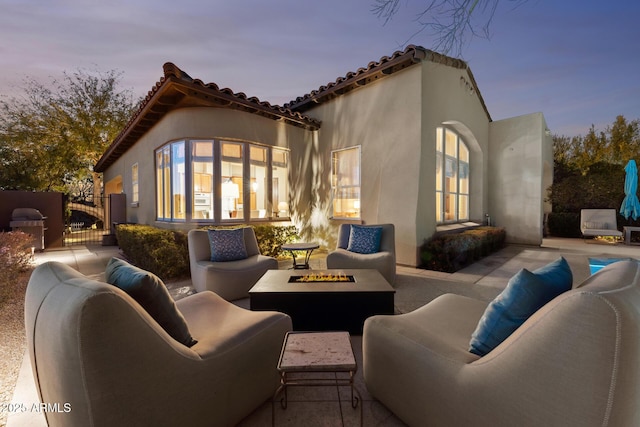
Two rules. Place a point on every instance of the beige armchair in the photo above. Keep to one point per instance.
(95, 350)
(384, 260)
(575, 362)
(229, 279)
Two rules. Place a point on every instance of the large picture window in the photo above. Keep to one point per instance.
(345, 182)
(221, 181)
(452, 177)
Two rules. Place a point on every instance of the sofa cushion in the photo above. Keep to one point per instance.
(595, 225)
(364, 240)
(227, 245)
(525, 293)
(152, 294)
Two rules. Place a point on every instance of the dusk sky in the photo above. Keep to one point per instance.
(576, 61)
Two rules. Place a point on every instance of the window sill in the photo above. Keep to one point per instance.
(134, 205)
(456, 227)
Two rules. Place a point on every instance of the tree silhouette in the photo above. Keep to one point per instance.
(451, 22)
(53, 134)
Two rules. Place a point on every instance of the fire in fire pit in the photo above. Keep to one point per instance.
(322, 277)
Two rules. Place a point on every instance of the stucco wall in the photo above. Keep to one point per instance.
(384, 119)
(204, 123)
(521, 166)
(449, 101)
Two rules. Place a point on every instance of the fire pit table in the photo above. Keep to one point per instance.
(325, 300)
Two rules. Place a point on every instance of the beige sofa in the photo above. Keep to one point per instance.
(96, 351)
(575, 362)
(229, 279)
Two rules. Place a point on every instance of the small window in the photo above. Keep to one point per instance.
(135, 192)
(280, 184)
(345, 182)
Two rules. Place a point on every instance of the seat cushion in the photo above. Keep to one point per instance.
(227, 245)
(525, 293)
(364, 240)
(152, 294)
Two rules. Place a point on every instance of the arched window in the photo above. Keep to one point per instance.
(452, 177)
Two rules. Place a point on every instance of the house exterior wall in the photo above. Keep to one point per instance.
(448, 101)
(383, 118)
(206, 123)
(394, 121)
(521, 170)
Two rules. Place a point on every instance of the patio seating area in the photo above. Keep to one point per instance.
(331, 406)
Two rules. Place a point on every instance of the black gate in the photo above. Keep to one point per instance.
(90, 222)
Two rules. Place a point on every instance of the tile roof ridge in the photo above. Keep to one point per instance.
(173, 71)
(410, 55)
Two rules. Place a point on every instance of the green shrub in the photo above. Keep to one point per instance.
(564, 224)
(270, 237)
(162, 252)
(15, 257)
(451, 252)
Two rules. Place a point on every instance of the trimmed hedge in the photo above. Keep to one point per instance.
(564, 224)
(451, 252)
(160, 251)
(165, 252)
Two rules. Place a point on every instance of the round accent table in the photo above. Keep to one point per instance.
(306, 247)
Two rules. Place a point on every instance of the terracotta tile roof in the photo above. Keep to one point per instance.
(374, 71)
(176, 89)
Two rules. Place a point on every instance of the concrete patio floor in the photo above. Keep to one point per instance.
(330, 406)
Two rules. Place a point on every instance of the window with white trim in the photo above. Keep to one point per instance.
(221, 181)
(345, 182)
(452, 177)
(135, 192)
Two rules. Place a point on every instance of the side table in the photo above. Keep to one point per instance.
(307, 247)
(315, 352)
(627, 234)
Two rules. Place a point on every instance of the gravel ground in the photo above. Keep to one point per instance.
(12, 338)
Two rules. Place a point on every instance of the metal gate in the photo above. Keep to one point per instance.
(90, 222)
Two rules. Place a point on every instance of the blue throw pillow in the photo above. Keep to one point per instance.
(364, 240)
(525, 294)
(227, 245)
(152, 294)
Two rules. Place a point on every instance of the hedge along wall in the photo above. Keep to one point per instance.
(451, 252)
(165, 252)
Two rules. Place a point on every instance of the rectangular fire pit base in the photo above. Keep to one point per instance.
(325, 306)
(322, 278)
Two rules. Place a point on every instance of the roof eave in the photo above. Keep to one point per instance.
(177, 86)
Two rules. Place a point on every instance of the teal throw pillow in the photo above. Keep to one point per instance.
(525, 294)
(152, 294)
(227, 245)
(364, 240)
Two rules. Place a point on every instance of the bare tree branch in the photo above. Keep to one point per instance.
(452, 23)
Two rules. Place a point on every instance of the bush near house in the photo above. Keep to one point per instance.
(15, 258)
(270, 237)
(564, 224)
(160, 251)
(165, 252)
(451, 252)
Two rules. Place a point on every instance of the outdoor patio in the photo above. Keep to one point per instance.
(330, 406)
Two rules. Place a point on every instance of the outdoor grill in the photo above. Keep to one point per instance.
(30, 221)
